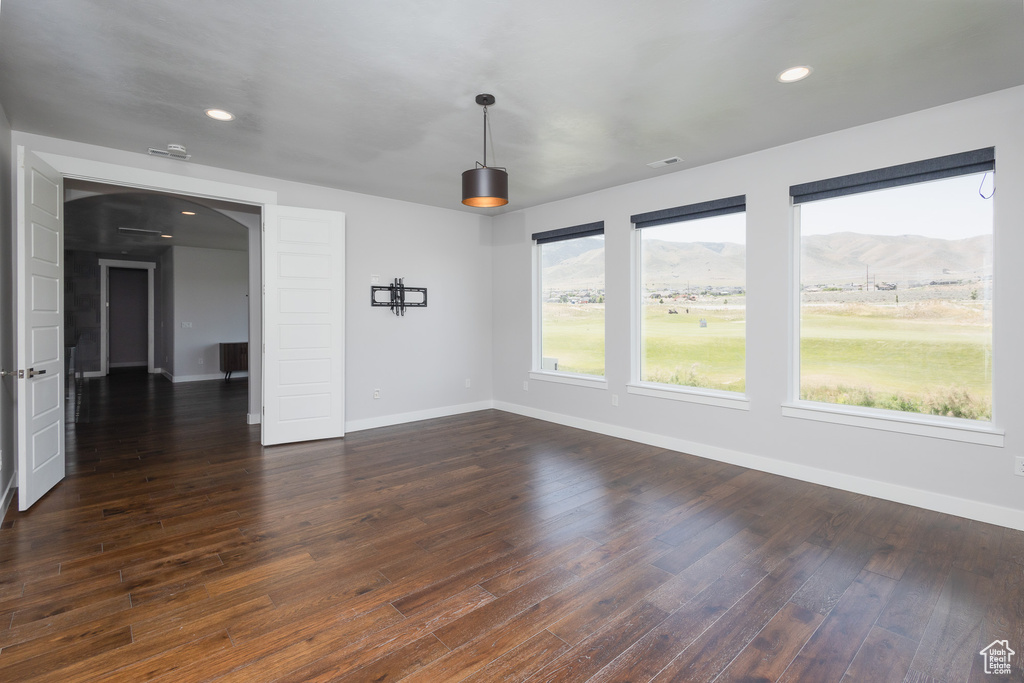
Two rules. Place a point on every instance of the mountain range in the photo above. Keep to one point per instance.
(837, 258)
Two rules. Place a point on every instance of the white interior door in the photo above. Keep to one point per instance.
(40, 333)
(303, 324)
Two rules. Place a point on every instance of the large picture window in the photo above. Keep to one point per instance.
(692, 295)
(896, 288)
(571, 306)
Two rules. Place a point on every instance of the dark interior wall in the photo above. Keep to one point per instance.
(82, 304)
(82, 308)
(128, 294)
(164, 314)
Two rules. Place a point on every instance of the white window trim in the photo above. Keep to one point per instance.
(538, 310)
(711, 397)
(916, 424)
(592, 381)
(793, 376)
(708, 397)
(538, 372)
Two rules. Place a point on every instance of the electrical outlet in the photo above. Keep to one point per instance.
(201, 360)
(187, 325)
(376, 393)
(468, 383)
(1018, 466)
(615, 399)
(526, 385)
(375, 279)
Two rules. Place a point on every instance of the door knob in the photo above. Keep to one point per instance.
(20, 374)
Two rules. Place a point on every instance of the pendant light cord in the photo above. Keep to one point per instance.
(485, 136)
(488, 132)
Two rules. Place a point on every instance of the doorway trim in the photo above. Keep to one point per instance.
(161, 181)
(105, 266)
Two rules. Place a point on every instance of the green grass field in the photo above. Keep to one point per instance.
(677, 350)
(574, 334)
(931, 357)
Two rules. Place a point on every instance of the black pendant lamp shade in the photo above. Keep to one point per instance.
(485, 186)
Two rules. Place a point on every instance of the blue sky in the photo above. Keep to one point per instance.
(729, 228)
(951, 208)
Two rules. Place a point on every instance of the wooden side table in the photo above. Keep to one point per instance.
(234, 357)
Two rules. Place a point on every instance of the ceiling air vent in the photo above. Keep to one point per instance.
(664, 162)
(173, 152)
(137, 231)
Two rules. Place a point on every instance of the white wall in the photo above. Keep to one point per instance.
(430, 351)
(420, 362)
(211, 288)
(7, 458)
(967, 479)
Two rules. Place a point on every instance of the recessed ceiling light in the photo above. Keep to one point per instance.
(794, 74)
(167, 236)
(220, 115)
(188, 213)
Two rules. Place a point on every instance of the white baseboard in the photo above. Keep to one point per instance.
(416, 416)
(93, 373)
(129, 365)
(253, 419)
(8, 496)
(929, 500)
(203, 378)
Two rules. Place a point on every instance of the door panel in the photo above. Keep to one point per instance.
(40, 332)
(304, 325)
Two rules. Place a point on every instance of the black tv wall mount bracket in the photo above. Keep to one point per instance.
(398, 297)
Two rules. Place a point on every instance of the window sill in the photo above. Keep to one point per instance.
(708, 397)
(592, 381)
(948, 428)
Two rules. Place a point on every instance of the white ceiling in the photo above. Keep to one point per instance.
(378, 97)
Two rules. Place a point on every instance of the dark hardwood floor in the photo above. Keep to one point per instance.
(480, 547)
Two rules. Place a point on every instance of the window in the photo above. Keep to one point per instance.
(692, 295)
(571, 293)
(896, 287)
